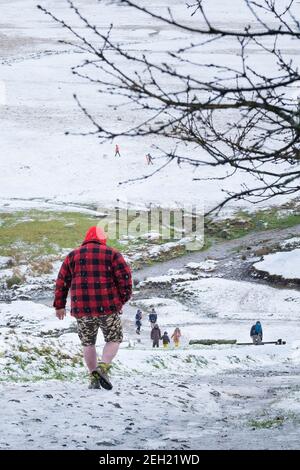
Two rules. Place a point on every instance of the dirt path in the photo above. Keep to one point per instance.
(232, 250)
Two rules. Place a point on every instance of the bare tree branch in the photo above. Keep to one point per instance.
(242, 118)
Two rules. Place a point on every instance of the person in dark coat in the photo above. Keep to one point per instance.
(256, 333)
(155, 336)
(138, 321)
(165, 339)
(153, 318)
(149, 159)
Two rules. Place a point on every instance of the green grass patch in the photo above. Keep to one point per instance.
(158, 363)
(267, 423)
(62, 376)
(246, 222)
(41, 363)
(196, 360)
(15, 280)
(25, 235)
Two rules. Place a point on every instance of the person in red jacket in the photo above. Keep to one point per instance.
(100, 283)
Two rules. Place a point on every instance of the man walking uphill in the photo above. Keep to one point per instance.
(100, 283)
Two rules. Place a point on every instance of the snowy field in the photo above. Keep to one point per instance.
(38, 163)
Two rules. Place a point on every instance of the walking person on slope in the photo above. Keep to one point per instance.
(138, 321)
(149, 159)
(117, 151)
(165, 339)
(153, 318)
(155, 336)
(100, 283)
(176, 337)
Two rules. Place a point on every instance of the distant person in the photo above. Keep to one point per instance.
(100, 283)
(176, 337)
(256, 333)
(138, 321)
(155, 336)
(149, 159)
(165, 339)
(117, 151)
(153, 318)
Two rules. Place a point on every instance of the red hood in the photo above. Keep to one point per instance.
(95, 233)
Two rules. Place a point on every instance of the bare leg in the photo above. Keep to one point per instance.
(90, 357)
(109, 352)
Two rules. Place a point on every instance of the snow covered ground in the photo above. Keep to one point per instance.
(192, 397)
(239, 299)
(155, 413)
(38, 163)
(285, 264)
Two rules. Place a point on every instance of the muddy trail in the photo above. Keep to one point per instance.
(235, 257)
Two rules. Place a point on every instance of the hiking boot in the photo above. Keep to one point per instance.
(94, 380)
(102, 371)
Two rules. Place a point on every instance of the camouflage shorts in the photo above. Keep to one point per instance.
(110, 325)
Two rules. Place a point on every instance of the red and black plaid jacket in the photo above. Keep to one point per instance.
(99, 278)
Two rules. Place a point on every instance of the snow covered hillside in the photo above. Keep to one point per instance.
(225, 396)
(37, 161)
